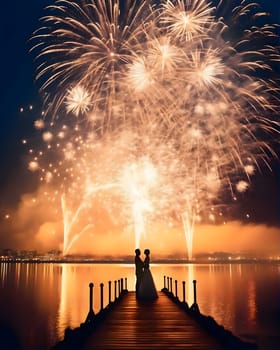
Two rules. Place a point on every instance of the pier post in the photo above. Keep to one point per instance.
(91, 315)
(194, 306)
(125, 283)
(171, 291)
(184, 291)
(91, 285)
(101, 296)
(164, 282)
(109, 291)
(121, 285)
(176, 289)
(194, 292)
(168, 283)
(115, 283)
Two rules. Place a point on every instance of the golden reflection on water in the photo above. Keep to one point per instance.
(3, 271)
(56, 296)
(18, 270)
(252, 310)
(74, 293)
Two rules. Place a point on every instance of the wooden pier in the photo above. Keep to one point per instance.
(158, 324)
(163, 323)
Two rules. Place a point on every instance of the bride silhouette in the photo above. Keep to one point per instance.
(147, 289)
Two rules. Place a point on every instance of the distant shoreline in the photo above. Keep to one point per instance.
(155, 261)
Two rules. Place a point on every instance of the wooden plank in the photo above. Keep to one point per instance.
(158, 324)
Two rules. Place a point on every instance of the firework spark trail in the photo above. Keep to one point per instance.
(70, 217)
(138, 180)
(178, 83)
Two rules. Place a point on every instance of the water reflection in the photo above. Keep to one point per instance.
(3, 271)
(74, 293)
(40, 300)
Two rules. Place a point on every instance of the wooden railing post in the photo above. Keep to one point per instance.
(119, 287)
(164, 282)
(101, 296)
(125, 283)
(171, 290)
(194, 292)
(176, 289)
(90, 316)
(109, 291)
(184, 291)
(115, 282)
(194, 306)
(168, 283)
(91, 285)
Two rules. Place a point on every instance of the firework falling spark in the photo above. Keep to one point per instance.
(175, 83)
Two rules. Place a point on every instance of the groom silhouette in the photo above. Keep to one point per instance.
(138, 270)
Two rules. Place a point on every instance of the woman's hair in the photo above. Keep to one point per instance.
(147, 251)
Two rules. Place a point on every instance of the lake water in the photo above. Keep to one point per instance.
(38, 301)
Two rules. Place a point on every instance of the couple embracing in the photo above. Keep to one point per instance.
(145, 286)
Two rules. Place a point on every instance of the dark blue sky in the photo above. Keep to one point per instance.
(18, 89)
(19, 20)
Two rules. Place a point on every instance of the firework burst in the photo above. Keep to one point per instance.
(169, 91)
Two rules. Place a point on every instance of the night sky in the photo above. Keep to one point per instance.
(19, 90)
